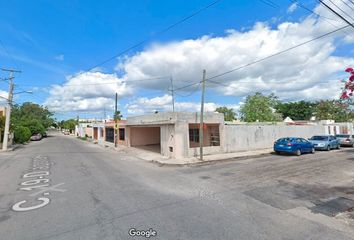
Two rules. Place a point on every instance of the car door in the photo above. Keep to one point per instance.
(333, 142)
(306, 145)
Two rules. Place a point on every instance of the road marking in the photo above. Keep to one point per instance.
(52, 188)
(18, 206)
(39, 175)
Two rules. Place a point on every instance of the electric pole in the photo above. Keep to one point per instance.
(201, 126)
(173, 95)
(116, 121)
(9, 105)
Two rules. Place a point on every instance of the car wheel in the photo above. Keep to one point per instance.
(313, 150)
(328, 148)
(298, 152)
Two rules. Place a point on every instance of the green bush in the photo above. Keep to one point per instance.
(34, 126)
(22, 134)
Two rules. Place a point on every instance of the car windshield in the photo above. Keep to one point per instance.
(319, 138)
(343, 136)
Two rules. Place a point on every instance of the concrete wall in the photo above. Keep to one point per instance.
(168, 148)
(251, 137)
(141, 136)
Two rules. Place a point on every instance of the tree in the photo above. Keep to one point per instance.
(260, 108)
(337, 110)
(229, 113)
(69, 124)
(302, 110)
(35, 126)
(22, 134)
(117, 115)
(23, 115)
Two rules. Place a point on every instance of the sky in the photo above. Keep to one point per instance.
(69, 53)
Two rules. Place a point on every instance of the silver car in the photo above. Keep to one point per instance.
(346, 140)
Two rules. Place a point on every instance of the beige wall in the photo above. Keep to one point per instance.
(88, 131)
(168, 147)
(140, 136)
(252, 137)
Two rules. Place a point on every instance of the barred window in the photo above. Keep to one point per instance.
(194, 135)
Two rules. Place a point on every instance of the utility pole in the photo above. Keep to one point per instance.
(173, 95)
(116, 122)
(9, 105)
(201, 126)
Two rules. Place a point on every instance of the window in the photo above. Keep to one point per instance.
(121, 134)
(194, 135)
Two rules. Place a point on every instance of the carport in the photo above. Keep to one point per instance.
(146, 137)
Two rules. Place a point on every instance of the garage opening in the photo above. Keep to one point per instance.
(147, 138)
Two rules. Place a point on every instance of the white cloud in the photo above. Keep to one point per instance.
(59, 57)
(289, 75)
(292, 8)
(87, 91)
(164, 104)
(308, 72)
(3, 97)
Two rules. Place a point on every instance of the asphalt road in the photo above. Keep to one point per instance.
(89, 192)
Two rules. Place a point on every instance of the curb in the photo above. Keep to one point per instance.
(209, 162)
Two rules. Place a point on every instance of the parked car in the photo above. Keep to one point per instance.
(346, 140)
(293, 145)
(323, 142)
(45, 134)
(36, 137)
(65, 132)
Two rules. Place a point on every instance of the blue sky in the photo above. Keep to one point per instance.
(53, 40)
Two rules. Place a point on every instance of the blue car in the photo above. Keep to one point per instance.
(325, 142)
(293, 145)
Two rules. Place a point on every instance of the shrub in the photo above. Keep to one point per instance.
(22, 134)
(34, 126)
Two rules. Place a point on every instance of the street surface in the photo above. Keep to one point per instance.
(65, 188)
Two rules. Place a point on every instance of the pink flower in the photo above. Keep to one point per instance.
(349, 70)
(351, 78)
(344, 95)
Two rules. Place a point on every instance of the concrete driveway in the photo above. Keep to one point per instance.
(64, 188)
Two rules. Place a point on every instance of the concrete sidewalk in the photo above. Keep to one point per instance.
(157, 158)
(161, 160)
(214, 158)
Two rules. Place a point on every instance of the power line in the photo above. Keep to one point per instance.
(263, 59)
(269, 3)
(158, 33)
(324, 18)
(313, 12)
(336, 13)
(347, 5)
(341, 9)
(279, 53)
